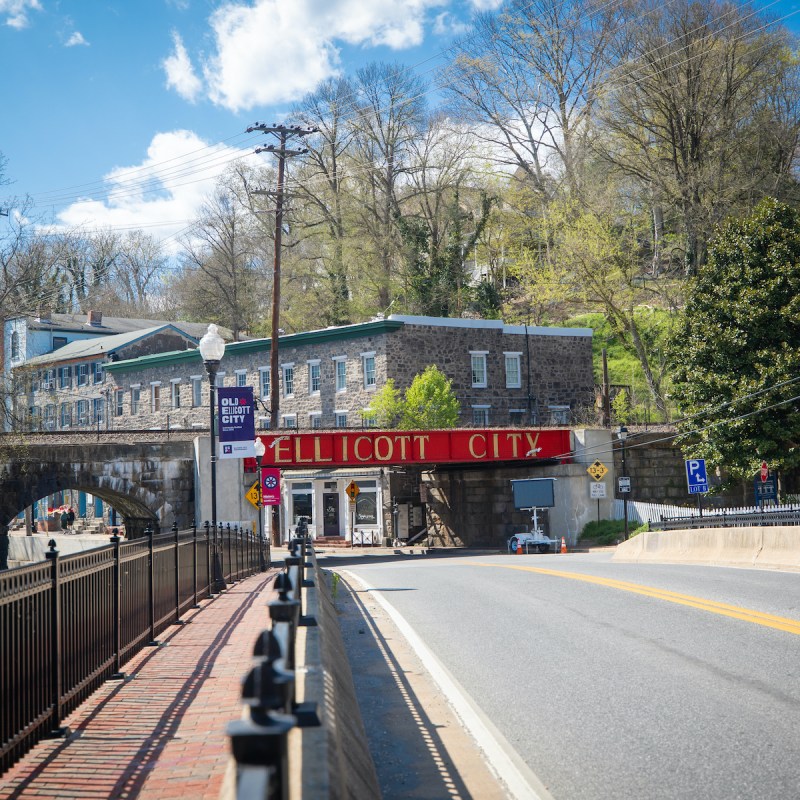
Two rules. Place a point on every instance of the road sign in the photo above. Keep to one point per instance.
(764, 472)
(352, 491)
(623, 485)
(597, 491)
(252, 494)
(696, 478)
(597, 470)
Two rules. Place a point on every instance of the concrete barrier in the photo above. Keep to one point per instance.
(31, 549)
(769, 547)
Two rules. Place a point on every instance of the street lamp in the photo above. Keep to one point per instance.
(622, 435)
(212, 348)
(260, 449)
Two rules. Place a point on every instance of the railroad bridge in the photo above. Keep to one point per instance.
(148, 477)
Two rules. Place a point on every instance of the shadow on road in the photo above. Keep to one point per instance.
(410, 758)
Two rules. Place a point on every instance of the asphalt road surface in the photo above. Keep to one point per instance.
(615, 680)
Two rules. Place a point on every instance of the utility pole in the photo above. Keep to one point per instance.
(283, 134)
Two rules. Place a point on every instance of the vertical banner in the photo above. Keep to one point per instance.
(270, 486)
(235, 421)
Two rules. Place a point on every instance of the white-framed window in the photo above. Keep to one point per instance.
(99, 410)
(49, 380)
(220, 380)
(340, 368)
(241, 377)
(369, 419)
(175, 392)
(97, 372)
(65, 377)
(155, 397)
(83, 374)
(314, 376)
(263, 382)
(315, 419)
(49, 417)
(197, 390)
(288, 380)
(367, 503)
(66, 415)
(368, 368)
(16, 354)
(559, 415)
(289, 420)
(478, 361)
(302, 494)
(119, 402)
(513, 370)
(340, 419)
(136, 398)
(82, 413)
(480, 416)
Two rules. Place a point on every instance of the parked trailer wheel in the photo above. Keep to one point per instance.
(512, 544)
(543, 548)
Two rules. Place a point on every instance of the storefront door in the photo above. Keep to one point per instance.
(330, 514)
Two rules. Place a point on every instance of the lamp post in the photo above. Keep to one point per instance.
(622, 435)
(260, 449)
(212, 348)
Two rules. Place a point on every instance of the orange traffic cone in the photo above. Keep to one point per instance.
(519, 547)
(563, 545)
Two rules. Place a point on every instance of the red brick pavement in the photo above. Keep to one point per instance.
(160, 733)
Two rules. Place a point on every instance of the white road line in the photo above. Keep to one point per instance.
(519, 779)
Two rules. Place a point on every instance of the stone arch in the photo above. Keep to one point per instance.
(147, 485)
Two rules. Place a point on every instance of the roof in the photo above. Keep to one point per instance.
(490, 324)
(78, 323)
(100, 345)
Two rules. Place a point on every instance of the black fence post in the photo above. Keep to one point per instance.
(230, 559)
(208, 555)
(56, 671)
(194, 561)
(152, 587)
(117, 589)
(178, 620)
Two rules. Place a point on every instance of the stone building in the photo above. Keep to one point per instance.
(502, 375)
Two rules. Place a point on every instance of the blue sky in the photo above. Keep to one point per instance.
(98, 94)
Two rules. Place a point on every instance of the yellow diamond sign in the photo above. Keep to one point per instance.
(598, 470)
(252, 494)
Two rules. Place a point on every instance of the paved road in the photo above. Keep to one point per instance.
(618, 680)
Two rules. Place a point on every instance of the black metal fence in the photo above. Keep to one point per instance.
(68, 624)
(721, 519)
(259, 742)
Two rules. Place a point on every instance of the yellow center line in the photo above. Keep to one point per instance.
(712, 606)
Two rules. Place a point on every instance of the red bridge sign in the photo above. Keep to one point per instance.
(353, 448)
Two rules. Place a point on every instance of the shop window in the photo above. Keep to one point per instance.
(302, 502)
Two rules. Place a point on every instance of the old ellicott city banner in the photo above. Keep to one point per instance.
(235, 421)
(359, 448)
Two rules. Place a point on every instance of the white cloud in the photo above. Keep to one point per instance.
(446, 24)
(180, 72)
(17, 11)
(76, 39)
(272, 51)
(163, 194)
(486, 5)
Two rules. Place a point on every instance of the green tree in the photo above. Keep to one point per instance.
(428, 403)
(736, 353)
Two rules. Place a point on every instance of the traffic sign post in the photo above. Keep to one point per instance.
(696, 478)
(623, 485)
(597, 470)
(597, 491)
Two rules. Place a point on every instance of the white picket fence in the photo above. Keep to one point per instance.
(653, 512)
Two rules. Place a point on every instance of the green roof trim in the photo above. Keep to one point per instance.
(341, 333)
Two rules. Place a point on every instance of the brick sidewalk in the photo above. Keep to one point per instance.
(160, 733)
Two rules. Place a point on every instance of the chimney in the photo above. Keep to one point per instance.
(95, 317)
(43, 315)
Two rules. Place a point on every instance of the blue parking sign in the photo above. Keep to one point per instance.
(696, 476)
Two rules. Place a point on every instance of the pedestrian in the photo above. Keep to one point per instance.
(71, 518)
(64, 520)
(3, 546)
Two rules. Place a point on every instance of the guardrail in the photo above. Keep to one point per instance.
(721, 519)
(68, 624)
(318, 745)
